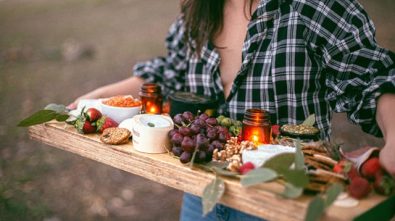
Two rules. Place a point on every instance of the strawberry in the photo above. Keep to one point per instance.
(352, 173)
(84, 127)
(383, 184)
(370, 168)
(359, 188)
(275, 130)
(105, 122)
(246, 167)
(343, 167)
(92, 114)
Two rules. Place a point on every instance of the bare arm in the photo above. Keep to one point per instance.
(128, 86)
(386, 119)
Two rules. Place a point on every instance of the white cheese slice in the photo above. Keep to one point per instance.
(265, 151)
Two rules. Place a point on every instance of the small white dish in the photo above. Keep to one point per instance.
(118, 113)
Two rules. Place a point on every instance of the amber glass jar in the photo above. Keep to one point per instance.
(257, 126)
(151, 99)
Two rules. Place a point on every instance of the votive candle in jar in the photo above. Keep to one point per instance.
(151, 99)
(257, 126)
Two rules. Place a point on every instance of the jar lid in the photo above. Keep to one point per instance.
(150, 88)
(257, 116)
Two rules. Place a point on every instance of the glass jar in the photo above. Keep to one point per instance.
(151, 99)
(257, 127)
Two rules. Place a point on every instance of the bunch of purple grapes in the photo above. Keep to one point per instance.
(200, 134)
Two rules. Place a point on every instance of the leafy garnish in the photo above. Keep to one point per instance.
(332, 193)
(223, 172)
(193, 158)
(58, 108)
(315, 209)
(319, 203)
(212, 193)
(39, 117)
(310, 120)
(299, 157)
(297, 178)
(292, 191)
(257, 176)
(280, 162)
(50, 112)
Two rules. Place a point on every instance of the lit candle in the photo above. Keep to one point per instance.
(151, 99)
(256, 126)
(152, 110)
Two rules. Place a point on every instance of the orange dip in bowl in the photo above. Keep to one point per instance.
(122, 101)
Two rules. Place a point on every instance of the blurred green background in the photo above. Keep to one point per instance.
(54, 51)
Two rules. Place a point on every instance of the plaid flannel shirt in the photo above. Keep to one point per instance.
(299, 57)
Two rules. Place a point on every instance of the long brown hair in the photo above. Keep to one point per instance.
(204, 19)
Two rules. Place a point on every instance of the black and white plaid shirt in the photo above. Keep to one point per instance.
(299, 57)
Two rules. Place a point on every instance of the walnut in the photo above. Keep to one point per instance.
(234, 166)
(215, 155)
(232, 153)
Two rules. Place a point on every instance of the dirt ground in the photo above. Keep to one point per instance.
(54, 51)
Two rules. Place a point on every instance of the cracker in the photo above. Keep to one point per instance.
(318, 187)
(316, 164)
(115, 136)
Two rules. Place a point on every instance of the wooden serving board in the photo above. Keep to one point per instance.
(260, 200)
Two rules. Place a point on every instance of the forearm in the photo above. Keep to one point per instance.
(385, 116)
(129, 86)
(386, 119)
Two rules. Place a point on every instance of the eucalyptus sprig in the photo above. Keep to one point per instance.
(50, 112)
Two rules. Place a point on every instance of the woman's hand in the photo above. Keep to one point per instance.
(95, 94)
(386, 120)
(129, 86)
(387, 158)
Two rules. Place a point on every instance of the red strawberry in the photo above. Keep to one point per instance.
(343, 166)
(352, 173)
(275, 130)
(104, 123)
(359, 188)
(246, 167)
(92, 114)
(84, 127)
(383, 184)
(370, 168)
(338, 168)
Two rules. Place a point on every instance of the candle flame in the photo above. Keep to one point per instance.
(152, 110)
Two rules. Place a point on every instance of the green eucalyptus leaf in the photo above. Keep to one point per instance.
(310, 120)
(280, 162)
(257, 176)
(39, 117)
(332, 193)
(58, 108)
(193, 158)
(62, 117)
(224, 172)
(315, 209)
(299, 157)
(212, 193)
(218, 164)
(292, 191)
(298, 178)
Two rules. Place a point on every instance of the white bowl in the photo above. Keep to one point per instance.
(119, 113)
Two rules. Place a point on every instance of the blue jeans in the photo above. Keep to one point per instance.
(192, 211)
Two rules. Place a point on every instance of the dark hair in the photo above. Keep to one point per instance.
(204, 19)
